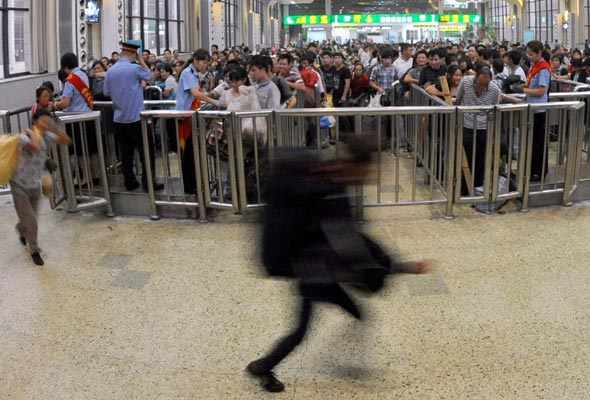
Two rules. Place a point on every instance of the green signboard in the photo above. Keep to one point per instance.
(381, 19)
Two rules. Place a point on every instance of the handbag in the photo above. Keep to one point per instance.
(9, 152)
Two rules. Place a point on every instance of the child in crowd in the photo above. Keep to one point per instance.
(44, 95)
(25, 184)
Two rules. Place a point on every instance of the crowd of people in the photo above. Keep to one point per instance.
(325, 74)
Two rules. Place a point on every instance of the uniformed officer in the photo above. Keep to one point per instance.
(123, 85)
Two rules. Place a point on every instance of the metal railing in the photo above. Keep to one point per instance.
(80, 190)
(14, 121)
(174, 184)
(422, 157)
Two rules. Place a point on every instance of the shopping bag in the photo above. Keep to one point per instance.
(8, 157)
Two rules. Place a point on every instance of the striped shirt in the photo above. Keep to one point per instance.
(467, 97)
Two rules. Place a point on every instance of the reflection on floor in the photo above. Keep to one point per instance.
(128, 308)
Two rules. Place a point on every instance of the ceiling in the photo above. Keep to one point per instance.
(318, 7)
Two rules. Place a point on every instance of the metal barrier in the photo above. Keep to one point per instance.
(437, 164)
(421, 157)
(562, 175)
(174, 185)
(565, 86)
(14, 121)
(84, 195)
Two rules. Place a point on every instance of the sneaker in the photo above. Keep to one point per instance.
(37, 259)
(268, 380)
(132, 186)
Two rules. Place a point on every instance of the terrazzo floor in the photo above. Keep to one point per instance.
(128, 308)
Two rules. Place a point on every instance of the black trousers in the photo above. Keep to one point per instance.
(286, 345)
(189, 172)
(480, 153)
(539, 150)
(130, 140)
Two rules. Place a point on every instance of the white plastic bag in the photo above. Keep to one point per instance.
(249, 102)
(375, 101)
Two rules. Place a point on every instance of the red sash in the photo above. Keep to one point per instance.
(81, 87)
(185, 127)
(535, 69)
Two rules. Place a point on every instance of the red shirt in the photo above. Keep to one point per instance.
(359, 85)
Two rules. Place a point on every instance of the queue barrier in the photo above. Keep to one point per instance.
(419, 160)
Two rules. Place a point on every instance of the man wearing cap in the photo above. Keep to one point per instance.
(123, 83)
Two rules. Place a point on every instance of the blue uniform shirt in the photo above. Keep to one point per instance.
(77, 102)
(189, 78)
(123, 84)
(542, 78)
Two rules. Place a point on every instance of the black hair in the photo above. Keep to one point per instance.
(261, 62)
(113, 53)
(49, 85)
(308, 56)
(238, 73)
(434, 53)
(147, 51)
(167, 68)
(576, 63)
(69, 60)
(198, 55)
(404, 46)
(451, 69)
(62, 75)
(513, 55)
(537, 47)
(483, 69)
(39, 91)
(387, 53)
(98, 62)
(167, 50)
(498, 66)
(326, 53)
(286, 56)
(359, 63)
(41, 112)
(338, 54)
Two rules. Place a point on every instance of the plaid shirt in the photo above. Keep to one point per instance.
(383, 77)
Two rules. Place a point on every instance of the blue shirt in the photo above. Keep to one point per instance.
(77, 102)
(189, 78)
(543, 78)
(123, 84)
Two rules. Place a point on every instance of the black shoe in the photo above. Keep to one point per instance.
(132, 186)
(553, 137)
(37, 259)
(96, 181)
(268, 381)
(23, 241)
(535, 177)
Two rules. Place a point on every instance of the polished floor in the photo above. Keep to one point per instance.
(128, 308)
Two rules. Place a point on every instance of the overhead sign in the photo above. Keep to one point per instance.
(380, 19)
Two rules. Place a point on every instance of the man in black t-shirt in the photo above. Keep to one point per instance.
(341, 80)
(328, 69)
(434, 69)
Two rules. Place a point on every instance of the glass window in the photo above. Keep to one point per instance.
(151, 21)
(500, 11)
(542, 18)
(231, 22)
(586, 18)
(15, 35)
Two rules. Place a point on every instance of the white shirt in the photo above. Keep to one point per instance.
(401, 66)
